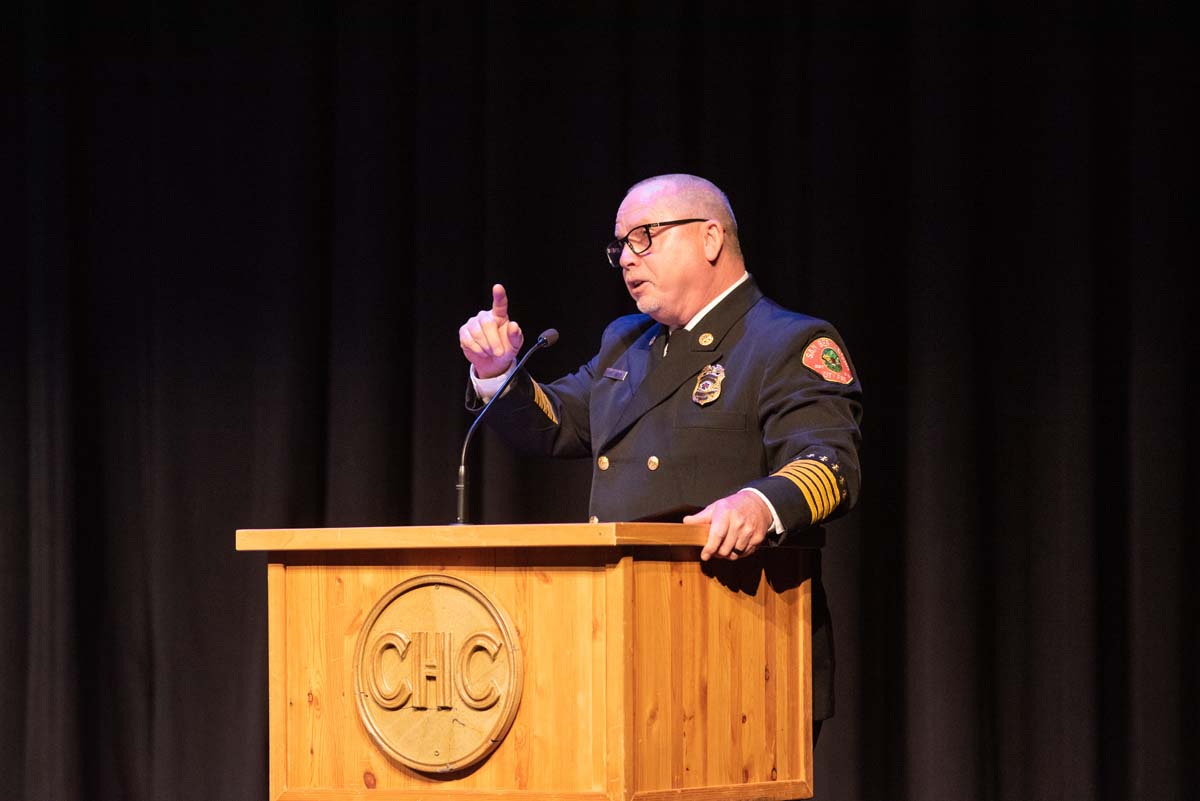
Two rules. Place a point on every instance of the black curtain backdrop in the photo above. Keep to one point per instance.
(239, 241)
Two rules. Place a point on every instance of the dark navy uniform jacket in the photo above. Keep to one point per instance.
(785, 422)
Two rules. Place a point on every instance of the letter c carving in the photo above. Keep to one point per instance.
(388, 697)
(490, 645)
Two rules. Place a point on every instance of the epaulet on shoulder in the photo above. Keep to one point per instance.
(779, 316)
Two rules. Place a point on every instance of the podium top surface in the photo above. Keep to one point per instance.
(531, 535)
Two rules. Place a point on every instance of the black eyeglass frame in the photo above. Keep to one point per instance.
(617, 246)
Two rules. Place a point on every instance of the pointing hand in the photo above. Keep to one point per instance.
(490, 340)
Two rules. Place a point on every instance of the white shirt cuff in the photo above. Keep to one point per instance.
(776, 522)
(485, 388)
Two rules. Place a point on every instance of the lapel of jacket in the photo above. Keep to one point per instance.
(636, 360)
(614, 396)
(685, 359)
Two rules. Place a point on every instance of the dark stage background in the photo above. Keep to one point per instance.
(238, 243)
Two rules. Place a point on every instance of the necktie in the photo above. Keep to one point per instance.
(662, 350)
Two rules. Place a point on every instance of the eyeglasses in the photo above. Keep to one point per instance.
(639, 240)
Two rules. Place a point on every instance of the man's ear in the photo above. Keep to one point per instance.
(714, 240)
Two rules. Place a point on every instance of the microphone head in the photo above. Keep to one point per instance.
(547, 337)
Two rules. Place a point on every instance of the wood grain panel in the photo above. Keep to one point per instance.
(718, 661)
(441, 795)
(277, 678)
(774, 791)
(554, 613)
(458, 537)
(648, 675)
(619, 678)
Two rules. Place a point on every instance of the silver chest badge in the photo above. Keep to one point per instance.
(708, 385)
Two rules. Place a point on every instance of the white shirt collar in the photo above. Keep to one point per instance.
(712, 305)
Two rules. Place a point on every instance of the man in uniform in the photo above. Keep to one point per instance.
(713, 405)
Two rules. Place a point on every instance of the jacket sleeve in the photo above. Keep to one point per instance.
(545, 419)
(810, 423)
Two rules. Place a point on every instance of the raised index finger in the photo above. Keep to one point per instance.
(499, 302)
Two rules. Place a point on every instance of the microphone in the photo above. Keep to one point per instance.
(544, 340)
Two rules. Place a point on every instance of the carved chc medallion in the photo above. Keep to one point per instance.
(437, 674)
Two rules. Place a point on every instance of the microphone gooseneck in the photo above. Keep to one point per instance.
(544, 340)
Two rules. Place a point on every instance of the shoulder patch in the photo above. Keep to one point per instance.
(825, 358)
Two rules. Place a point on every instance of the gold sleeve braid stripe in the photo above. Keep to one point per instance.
(818, 484)
(543, 403)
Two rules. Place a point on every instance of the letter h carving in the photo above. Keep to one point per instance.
(433, 666)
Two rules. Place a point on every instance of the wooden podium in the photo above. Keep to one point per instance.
(580, 661)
